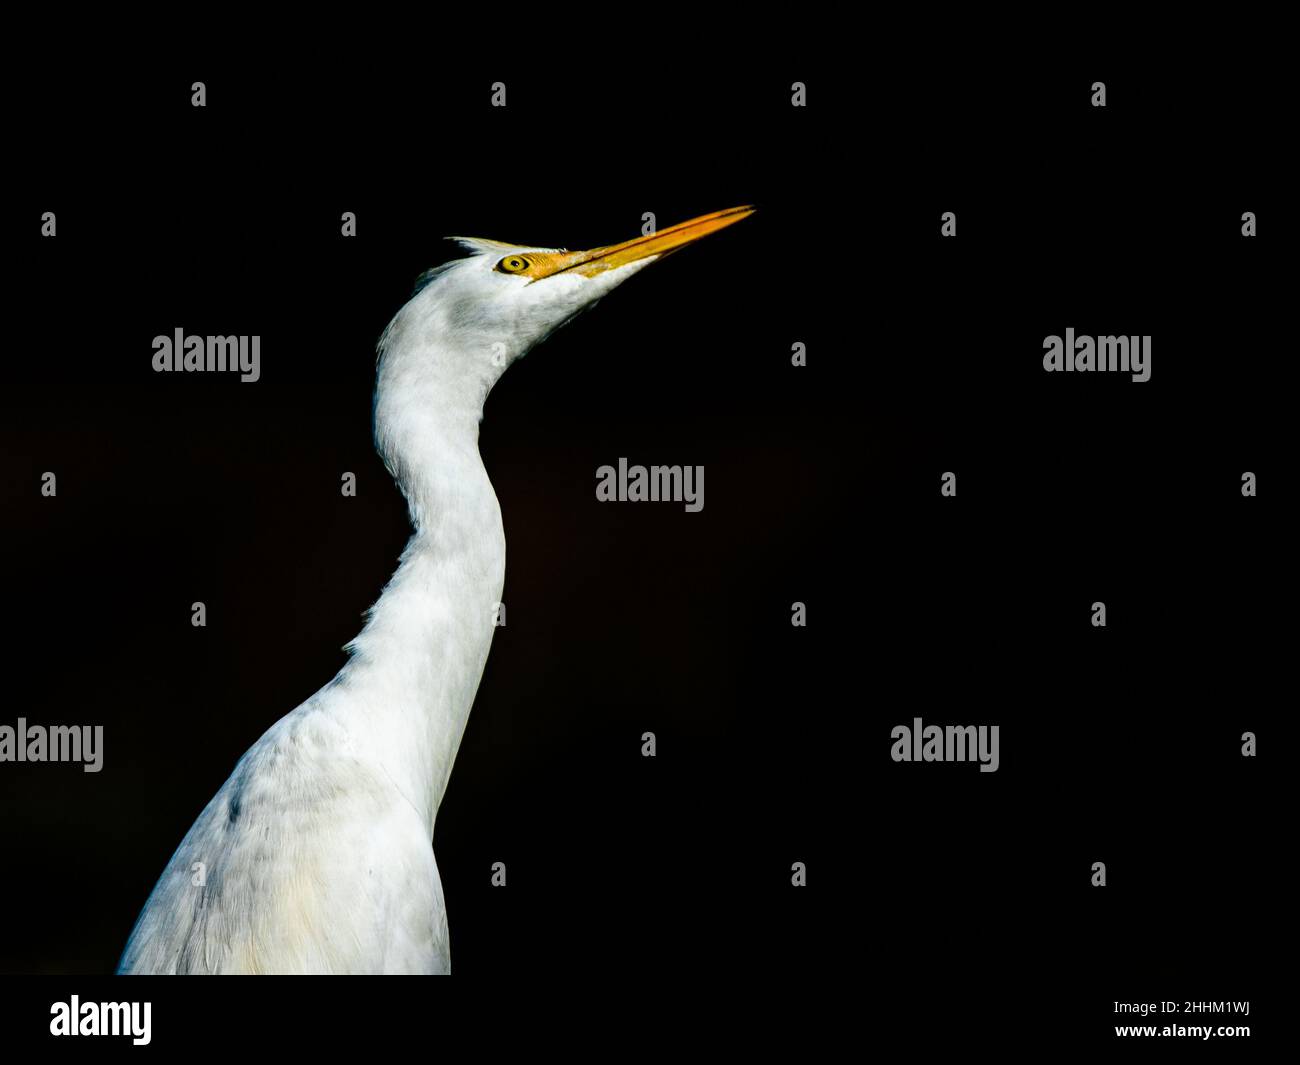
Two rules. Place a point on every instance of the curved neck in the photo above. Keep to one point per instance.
(416, 665)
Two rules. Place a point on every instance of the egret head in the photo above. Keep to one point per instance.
(472, 317)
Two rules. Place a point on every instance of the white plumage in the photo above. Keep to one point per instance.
(316, 856)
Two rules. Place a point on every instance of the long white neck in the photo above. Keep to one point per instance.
(406, 694)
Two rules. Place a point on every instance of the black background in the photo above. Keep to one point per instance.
(938, 898)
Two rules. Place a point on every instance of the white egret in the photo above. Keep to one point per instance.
(316, 855)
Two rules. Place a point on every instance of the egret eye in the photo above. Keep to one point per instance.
(513, 264)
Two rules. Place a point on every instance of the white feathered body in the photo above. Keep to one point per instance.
(316, 855)
(306, 861)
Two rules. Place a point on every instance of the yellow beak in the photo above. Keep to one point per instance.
(598, 260)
